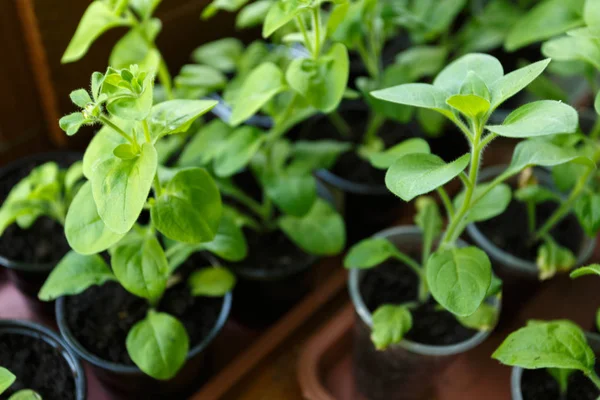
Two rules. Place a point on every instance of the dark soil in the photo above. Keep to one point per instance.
(393, 282)
(38, 366)
(101, 317)
(538, 384)
(510, 232)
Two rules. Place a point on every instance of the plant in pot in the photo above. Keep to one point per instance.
(37, 364)
(31, 222)
(153, 313)
(452, 279)
(553, 360)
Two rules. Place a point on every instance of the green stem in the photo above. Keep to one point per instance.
(115, 128)
(447, 202)
(412, 264)
(340, 124)
(146, 131)
(595, 133)
(370, 64)
(531, 216)
(277, 129)
(375, 123)
(121, 7)
(488, 139)
(302, 27)
(594, 378)
(316, 15)
(157, 187)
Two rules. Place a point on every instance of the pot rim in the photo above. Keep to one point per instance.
(517, 372)
(15, 165)
(511, 261)
(415, 347)
(40, 332)
(95, 360)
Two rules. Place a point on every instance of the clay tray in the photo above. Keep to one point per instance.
(325, 365)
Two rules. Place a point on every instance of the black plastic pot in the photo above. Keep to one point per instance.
(42, 333)
(407, 370)
(130, 382)
(28, 277)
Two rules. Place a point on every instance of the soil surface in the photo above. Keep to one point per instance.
(538, 384)
(392, 282)
(100, 318)
(38, 366)
(510, 232)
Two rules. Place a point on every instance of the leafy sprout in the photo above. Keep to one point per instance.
(7, 379)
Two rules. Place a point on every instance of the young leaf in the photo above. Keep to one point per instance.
(229, 242)
(390, 324)
(593, 269)
(540, 118)
(261, 85)
(294, 194)
(484, 319)
(125, 103)
(417, 95)
(158, 345)
(573, 49)
(385, 159)
(73, 122)
(189, 208)
(253, 14)
(199, 80)
(141, 267)
(562, 378)
(25, 394)
(205, 145)
(211, 282)
(84, 229)
(97, 19)
(417, 174)
(280, 13)
(222, 54)
(587, 210)
(369, 253)
(495, 287)
(428, 218)
(470, 105)
(489, 206)
(80, 98)
(553, 258)
(238, 150)
(144, 8)
(320, 232)
(121, 187)
(487, 68)
(321, 82)
(177, 116)
(136, 47)
(536, 194)
(459, 278)
(512, 83)
(74, 274)
(227, 5)
(555, 344)
(6, 379)
(102, 145)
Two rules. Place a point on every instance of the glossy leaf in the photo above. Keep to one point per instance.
(573, 49)
(158, 345)
(135, 47)
(211, 282)
(484, 319)
(390, 324)
(73, 122)
(74, 274)
(6, 379)
(25, 394)
(103, 144)
(489, 206)
(553, 258)
(592, 269)
(369, 253)
(229, 242)
(205, 145)
(416, 95)
(487, 68)
(175, 116)
(280, 13)
(587, 210)
(294, 194)
(512, 83)
(385, 159)
(238, 150)
(253, 14)
(222, 54)
(471, 105)
(129, 104)
(417, 174)
(459, 278)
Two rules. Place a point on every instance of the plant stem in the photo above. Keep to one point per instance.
(340, 124)
(370, 64)
(121, 7)
(146, 131)
(594, 378)
(447, 202)
(531, 216)
(316, 15)
(375, 123)
(277, 129)
(115, 128)
(412, 264)
(595, 132)
(302, 27)
(157, 187)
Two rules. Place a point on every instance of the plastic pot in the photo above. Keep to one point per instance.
(29, 277)
(42, 333)
(593, 340)
(130, 381)
(405, 370)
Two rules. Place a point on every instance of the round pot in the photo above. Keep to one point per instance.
(44, 334)
(507, 266)
(29, 277)
(516, 376)
(405, 370)
(130, 381)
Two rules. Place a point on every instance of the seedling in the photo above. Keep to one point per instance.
(47, 191)
(125, 178)
(560, 346)
(466, 92)
(7, 379)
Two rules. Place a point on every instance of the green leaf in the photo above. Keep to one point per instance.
(553, 258)
(422, 61)
(253, 14)
(562, 378)
(597, 103)
(540, 118)
(489, 206)
(103, 144)
(129, 104)
(459, 278)
(428, 218)
(84, 229)
(74, 274)
(547, 19)
(140, 265)
(121, 188)
(97, 19)
(321, 82)
(417, 95)
(200, 80)
(227, 5)
(158, 345)
(125, 152)
(417, 174)
(555, 344)
(385, 159)
(238, 150)
(495, 287)
(80, 97)
(189, 208)
(294, 194)
(592, 269)
(280, 13)
(211, 282)
(72, 123)
(487, 68)
(573, 49)
(316, 154)
(320, 232)
(175, 116)
(205, 145)
(587, 210)
(260, 86)
(390, 324)
(144, 8)
(229, 242)
(470, 105)
(484, 319)
(512, 83)
(25, 394)
(222, 54)
(565, 175)
(135, 47)
(369, 253)
(6, 379)
(536, 194)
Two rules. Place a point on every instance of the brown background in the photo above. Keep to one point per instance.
(35, 86)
